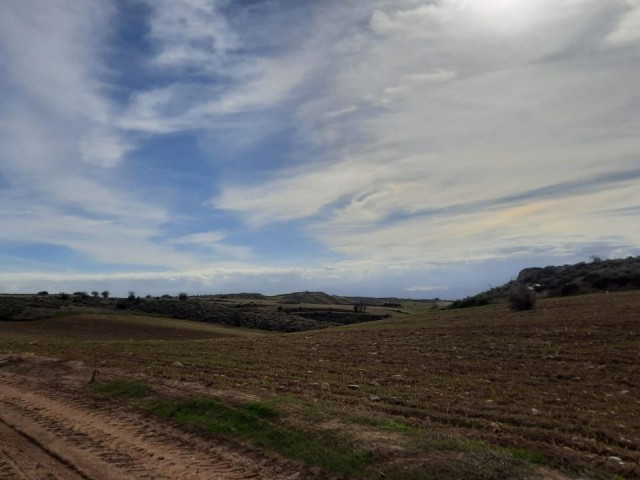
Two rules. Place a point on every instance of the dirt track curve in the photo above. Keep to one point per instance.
(48, 433)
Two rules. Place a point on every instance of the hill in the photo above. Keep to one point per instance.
(318, 298)
(598, 275)
(322, 298)
(564, 280)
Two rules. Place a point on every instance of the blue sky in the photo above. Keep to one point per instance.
(414, 148)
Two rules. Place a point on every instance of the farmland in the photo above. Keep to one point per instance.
(473, 393)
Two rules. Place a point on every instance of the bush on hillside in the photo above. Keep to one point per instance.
(571, 288)
(521, 297)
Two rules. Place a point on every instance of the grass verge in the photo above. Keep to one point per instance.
(122, 388)
(252, 424)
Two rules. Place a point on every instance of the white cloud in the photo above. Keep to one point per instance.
(431, 108)
(194, 36)
(103, 148)
(408, 116)
(58, 145)
(214, 242)
(425, 288)
(627, 31)
(50, 54)
(190, 34)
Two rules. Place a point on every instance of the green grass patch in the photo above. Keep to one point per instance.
(262, 410)
(385, 424)
(251, 423)
(123, 388)
(528, 456)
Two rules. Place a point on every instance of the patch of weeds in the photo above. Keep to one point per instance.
(528, 456)
(262, 410)
(123, 388)
(439, 442)
(395, 472)
(385, 424)
(250, 423)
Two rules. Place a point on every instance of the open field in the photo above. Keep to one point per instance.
(475, 393)
(101, 326)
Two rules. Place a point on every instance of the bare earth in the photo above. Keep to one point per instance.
(51, 432)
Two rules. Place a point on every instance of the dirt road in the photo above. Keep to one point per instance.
(49, 432)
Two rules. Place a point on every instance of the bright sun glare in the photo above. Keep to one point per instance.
(507, 16)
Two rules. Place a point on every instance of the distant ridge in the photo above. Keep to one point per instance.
(320, 298)
(597, 275)
(564, 280)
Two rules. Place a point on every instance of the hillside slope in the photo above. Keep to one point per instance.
(564, 280)
(598, 275)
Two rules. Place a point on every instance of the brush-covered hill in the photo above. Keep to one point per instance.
(598, 275)
(322, 298)
(318, 298)
(584, 277)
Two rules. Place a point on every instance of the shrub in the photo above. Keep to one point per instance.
(521, 297)
(468, 302)
(95, 294)
(105, 294)
(43, 293)
(570, 288)
(183, 296)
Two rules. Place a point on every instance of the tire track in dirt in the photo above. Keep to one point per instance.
(23, 459)
(105, 441)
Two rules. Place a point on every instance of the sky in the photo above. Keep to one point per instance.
(410, 148)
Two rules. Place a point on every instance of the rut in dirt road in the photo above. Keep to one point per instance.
(68, 437)
(22, 458)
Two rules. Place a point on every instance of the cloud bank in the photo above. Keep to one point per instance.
(344, 141)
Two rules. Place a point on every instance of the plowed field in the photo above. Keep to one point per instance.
(559, 385)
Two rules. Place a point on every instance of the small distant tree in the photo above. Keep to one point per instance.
(132, 296)
(183, 296)
(237, 318)
(521, 297)
(63, 296)
(105, 294)
(95, 294)
(360, 307)
(43, 293)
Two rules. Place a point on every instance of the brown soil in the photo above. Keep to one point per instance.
(50, 431)
(561, 381)
(113, 327)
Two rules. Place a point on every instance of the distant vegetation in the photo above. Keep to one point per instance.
(553, 281)
(283, 313)
(521, 297)
(597, 275)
